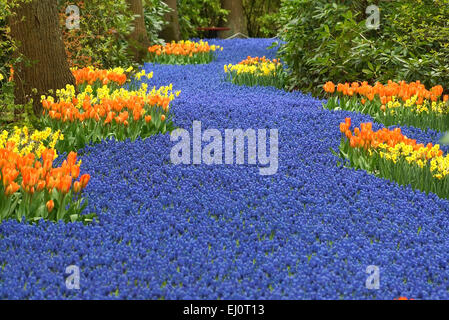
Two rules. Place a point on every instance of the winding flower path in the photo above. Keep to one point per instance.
(209, 232)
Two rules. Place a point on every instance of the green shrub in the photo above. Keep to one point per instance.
(329, 41)
(262, 17)
(6, 49)
(199, 13)
(101, 39)
(154, 11)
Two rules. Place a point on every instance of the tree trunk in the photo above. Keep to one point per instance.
(236, 18)
(138, 39)
(35, 29)
(171, 31)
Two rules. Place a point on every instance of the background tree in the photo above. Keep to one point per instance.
(35, 29)
(138, 39)
(171, 30)
(236, 18)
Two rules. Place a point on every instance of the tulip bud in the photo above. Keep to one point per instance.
(77, 187)
(40, 186)
(50, 205)
(84, 180)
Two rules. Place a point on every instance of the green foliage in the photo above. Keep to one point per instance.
(328, 40)
(6, 94)
(269, 25)
(154, 11)
(32, 208)
(12, 114)
(262, 17)
(445, 139)
(199, 13)
(105, 24)
(6, 47)
(102, 38)
(421, 28)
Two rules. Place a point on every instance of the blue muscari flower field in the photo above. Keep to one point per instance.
(226, 232)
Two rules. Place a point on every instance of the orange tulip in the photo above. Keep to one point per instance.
(348, 122)
(40, 186)
(84, 180)
(11, 189)
(75, 172)
(65, 184)
(348, 134)
(329, 87)
(77, 187)
(401, 90)
(90, 76)
(50, 205)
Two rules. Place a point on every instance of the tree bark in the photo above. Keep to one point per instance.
(236, 18)
(138, 39)
(171, 31)
(35, 29)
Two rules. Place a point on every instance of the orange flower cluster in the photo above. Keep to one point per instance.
(117, 109)
(90, 75)
(186, 48)
(366, 138)
(329, 87)
(35, 175)
(400, 89)
(256, 60)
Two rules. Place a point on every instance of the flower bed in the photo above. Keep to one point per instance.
(256, 71)
(26, 142)
(390, 154)
(183, 52)
(33, 189)
(91, 76)
(395, 103)
(100, 112)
